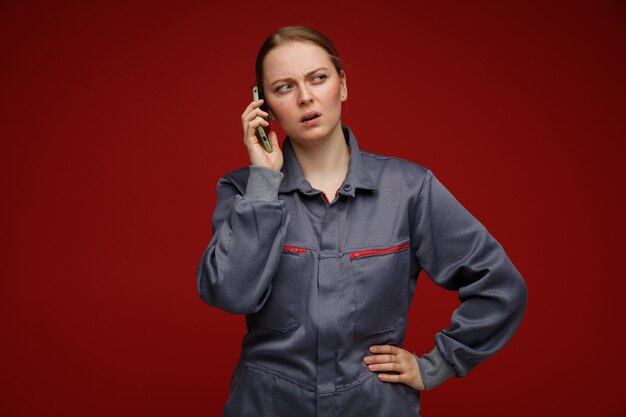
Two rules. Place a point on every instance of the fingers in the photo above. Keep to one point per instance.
(253, 105)
(385, 349)
(395, 364)
(251, 119)
(392, 378)
(251, 123)
(383, 354)
(252, 127)
(380, 359)
(386, 367)
(255, 114)
(253, 110)
(384, 362)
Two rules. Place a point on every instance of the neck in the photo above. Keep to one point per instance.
(325, 164)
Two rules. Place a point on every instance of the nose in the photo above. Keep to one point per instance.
(305, 96)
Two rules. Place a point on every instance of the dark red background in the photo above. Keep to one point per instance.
(117, 119)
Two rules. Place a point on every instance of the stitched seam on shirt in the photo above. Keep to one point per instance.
(308, 387)
(413, 211)
(427, 177)
(385, 157)
(281, 376)
(347, 387)
(236, 382)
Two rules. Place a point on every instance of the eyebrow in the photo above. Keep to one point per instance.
(308, 74)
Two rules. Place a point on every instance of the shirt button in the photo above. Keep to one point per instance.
(347, 187)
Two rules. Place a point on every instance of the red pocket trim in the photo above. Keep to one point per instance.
(354, 255)
(295, 249)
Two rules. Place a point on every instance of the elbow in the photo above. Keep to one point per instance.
(231, 300)
(234, 308)
(519, 295)
(206, 291)
(238, 302)
(228, 304)
(208, 281)
(523, 295)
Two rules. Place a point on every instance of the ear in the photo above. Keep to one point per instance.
(343, 86)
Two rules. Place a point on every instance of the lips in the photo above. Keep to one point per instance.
(309, 116)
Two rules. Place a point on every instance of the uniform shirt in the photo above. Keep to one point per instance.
(320, 281)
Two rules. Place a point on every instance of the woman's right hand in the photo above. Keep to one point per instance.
(252, 118)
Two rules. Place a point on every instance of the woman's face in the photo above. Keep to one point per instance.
(304, 91)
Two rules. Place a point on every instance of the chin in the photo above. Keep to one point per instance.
(311, 135)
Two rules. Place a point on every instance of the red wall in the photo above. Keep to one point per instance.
(118, 119)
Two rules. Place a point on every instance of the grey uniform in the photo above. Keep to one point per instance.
(320, 283)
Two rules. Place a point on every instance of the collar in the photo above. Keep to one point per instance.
(357, 176)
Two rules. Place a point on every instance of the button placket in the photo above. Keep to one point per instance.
(329, 287)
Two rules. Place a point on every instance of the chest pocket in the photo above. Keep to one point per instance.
(381, 281)
(282, 309)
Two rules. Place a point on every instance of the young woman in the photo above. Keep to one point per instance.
(320, 245)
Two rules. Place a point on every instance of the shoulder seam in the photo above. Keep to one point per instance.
(384, 157)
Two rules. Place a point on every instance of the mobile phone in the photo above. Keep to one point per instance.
(260, 131)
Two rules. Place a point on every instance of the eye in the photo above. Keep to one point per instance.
(283, 88)
(319, 78)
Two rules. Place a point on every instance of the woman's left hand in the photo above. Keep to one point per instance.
(395, 365)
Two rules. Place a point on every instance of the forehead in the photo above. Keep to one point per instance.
(294, 58)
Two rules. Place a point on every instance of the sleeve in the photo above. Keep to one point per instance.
(236, 269)
(458, 253)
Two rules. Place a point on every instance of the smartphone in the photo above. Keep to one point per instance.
(260, 131)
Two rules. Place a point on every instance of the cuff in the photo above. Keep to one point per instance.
(263, 184)
(434, 369)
